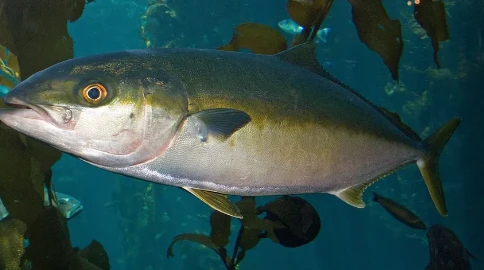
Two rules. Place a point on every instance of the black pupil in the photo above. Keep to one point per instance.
(94, 93)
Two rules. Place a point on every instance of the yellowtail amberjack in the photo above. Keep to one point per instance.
(218, 122)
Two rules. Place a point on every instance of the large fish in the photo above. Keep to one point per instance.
(217, 122)
(446, 250)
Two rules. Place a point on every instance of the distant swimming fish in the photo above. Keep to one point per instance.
(400, 212)
(446, 250)
(111, 203)
(69, 206)
(291, 27)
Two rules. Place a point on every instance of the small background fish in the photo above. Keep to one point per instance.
(68, 205)
(291, 27)
(399, 212)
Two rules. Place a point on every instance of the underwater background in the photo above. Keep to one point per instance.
(136, 221)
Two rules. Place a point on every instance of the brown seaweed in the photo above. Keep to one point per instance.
(305, 13)
(301, 221)
(202, 240)
(50, 246)
(430, 14)
(19, 194)
(309, 14)
(380, 33)
(290, 222)
(158, 13)
(11, 243)
(375, 28)
(259, 38)
(36, 32)
(96, 254)
(50, 229)
(220, 224)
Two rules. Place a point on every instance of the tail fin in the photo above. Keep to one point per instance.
(428, 164)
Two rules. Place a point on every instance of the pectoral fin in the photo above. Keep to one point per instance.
(219, 123)
(217, 201)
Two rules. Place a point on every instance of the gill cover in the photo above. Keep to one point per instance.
(114, 110)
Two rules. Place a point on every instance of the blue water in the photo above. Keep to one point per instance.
(3, 90)
(350, 238)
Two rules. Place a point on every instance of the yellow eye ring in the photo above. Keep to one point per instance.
(94, 93)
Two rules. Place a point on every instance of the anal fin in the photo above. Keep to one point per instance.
(353, 195)
(217, 201)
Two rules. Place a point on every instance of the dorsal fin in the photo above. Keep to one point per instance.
(397, 121)
(304, 56)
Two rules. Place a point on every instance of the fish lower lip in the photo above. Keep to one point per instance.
(28, 111)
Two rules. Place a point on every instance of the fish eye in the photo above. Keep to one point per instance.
(62, 202)
(94, 93)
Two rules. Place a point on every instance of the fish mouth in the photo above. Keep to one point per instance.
(74, 212)
(54, 115)
(25, 110)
